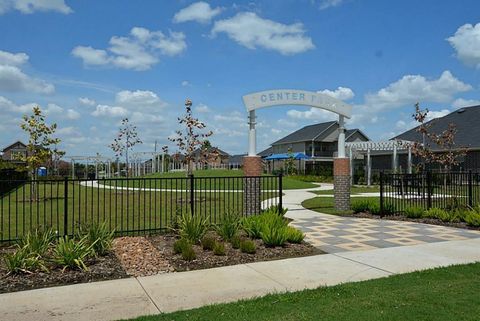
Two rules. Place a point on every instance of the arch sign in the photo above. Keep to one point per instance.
(281, 97)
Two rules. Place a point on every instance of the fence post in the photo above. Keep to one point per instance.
(65, 206)
(192, 196)
(381, 193)
(429, 189)
(280, 197)
(470, 188)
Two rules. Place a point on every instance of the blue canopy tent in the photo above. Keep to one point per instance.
(296, 156)
(282, 157)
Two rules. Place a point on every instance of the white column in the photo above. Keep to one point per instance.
(409, 160)
(351, 165)
(252, 135)
(341, 137)
(369, 168)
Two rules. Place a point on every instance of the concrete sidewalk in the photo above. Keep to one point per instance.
(127, 298)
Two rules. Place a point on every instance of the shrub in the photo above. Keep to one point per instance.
(294, 235)
(179, 245)
(23, 260)
(188, 254)
(229, 226)
(437, 213)
(252, 225)
(70, 253)
(192, 227)
(360, 206)
(219, 249)
(235, 242)
(472, 218)
(275, 209)
(248, 246)
(37, 241)
(366, 205)
(414, 212)
(208, 242)
(274, 229)
(99, 236)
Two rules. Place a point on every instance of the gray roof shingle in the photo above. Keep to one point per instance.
(466, 120)
(306, 133)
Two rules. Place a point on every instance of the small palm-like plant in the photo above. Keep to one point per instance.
(71, 253)
(23, 261)
(192, 227)
(100, 236)
(252, 225)
(229, 226)
(37, 241)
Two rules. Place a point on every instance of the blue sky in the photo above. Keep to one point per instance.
(89, 63)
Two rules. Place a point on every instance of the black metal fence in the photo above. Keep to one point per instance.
(128, 206)
(429, 189)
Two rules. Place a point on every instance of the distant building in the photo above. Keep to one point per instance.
(15, 152)
(318, 141)
(467, 122)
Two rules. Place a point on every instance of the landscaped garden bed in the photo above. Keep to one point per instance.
(369, 207)
(40, 259)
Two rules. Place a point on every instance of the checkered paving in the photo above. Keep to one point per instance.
(334, 234)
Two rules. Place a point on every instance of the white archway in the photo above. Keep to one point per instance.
(282, 97)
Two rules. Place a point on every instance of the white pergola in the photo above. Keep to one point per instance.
(393, 146)
(95, 160)
(139, 159)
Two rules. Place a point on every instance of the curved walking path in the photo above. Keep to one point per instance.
(335, 234)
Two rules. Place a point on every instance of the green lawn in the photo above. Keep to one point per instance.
(434, 295)
(122, 210)
(326, 204)
(354, 190)
(215, 179)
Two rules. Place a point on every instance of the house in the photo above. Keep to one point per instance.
(318, 141)
(467, 123)
(15, 152)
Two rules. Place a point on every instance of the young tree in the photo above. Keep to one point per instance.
(191, 138)
(127, 137)
(40, 140)
(290, 162)
(445, 141)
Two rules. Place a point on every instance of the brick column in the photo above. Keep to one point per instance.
(341, 182)
(252, 168)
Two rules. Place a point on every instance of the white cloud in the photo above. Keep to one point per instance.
(11, 59)
(416, 88)
(325, 4)
(138, 51)
(9, 106)
(313, 114)
(466, 42)
(234, 117)
(199, 11)
(72, 114)
(251, 31)
(109, 111)
(342, 93)
(31, 6)
(202, 108)
(460, 102)
(139, 99)
(87, 101)
(13, 79)
(186, 83)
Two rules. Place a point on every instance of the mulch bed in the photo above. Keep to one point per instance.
(206, 259)
(143, 256)
(103, 268)
(432, 221)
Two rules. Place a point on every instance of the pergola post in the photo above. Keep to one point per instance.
(369, 168)
(409, 159)
(73, 168)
